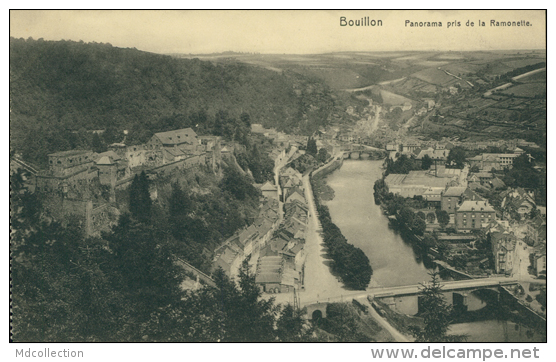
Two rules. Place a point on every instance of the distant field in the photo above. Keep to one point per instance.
(481, 102)
(384, 54)
(462, 68)
(417, 57)
(528, 90)
(433, 76)
(427, 88)
(518, 63)
(392, 98)
(449, 56)
(431, 63)
(534, 78)
(336, 78)
(412, 84)
(498, 68)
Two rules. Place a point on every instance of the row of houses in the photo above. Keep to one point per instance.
(504, 244)
(496, 161)
(249, 240)
(510, 144)
(469, 211)
(280, 266)
(279, 139)
(537, 236)
(275, 244)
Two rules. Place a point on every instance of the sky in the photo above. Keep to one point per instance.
(282, 31)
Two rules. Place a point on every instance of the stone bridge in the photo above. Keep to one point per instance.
(362, 152)
(406, 299)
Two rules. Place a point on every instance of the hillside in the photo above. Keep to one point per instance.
(61, 90)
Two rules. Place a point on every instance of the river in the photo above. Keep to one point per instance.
(395, 261)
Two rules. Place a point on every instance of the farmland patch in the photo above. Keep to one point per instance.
(535, 77)
(393, 99)
(527, 90)
(433, 76)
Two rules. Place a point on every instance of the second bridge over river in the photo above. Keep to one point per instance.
(362, 152)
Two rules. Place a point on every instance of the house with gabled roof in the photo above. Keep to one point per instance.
(474, 215)
(489, 161)
(496, 183)
(174, 138)
(434, 154)
(451, 198)
(268, 189)
(537, 230)
(296, 207)
(455, 195)
(295, 194)
(539, 259)
(275, 276)
(229, 258)
(286, 174)
(518, 200)
(503, 246)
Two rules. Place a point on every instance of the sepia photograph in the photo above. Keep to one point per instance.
(279, 176)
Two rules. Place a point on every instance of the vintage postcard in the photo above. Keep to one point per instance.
(279, 176)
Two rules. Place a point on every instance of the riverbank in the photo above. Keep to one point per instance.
(321, 190)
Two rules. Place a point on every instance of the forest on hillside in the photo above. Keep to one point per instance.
(60, 90)
(125, 286)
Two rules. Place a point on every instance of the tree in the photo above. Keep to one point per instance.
(534, 212)
(291, 326)
(260, 164)
(396, 114)
(246, 119)
(443, 218)
(406, 216)
(429, 241)
(242, 316)
(419, 226)
(97, 145)
(179, 209)
(541, 297)
(144, 270)
(312, 147)
(111, 135)
(237, 184)
(140, 198)
(457, 157)
(442, 247)
(343, 323)
(431, 217)
(25, 208)
(322, 156)
(426, 162)
(403, 164)
(436, 313)
(522, 174)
